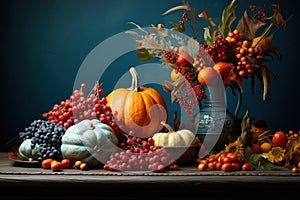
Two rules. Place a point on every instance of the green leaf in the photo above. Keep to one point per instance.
(255, 158)
(208, 36)
(247, 153)
(177, 27)
(251, 157)
(228, 17)
(144, 55)
(264, 155)
(257, 161)
(268, 166)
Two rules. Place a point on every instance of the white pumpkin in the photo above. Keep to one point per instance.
(183, 137)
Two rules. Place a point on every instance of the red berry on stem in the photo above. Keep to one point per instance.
(83, 85)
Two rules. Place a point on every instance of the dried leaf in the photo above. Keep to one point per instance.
(182, 7)
(245, 124)
(174, 87)
(132, 33)
(233, 77)
(228, 17)
(265, 84)
(176, 121)
(264, 78)
(167, 86)
(173, 97)
(277, 19)
(138, 26)
(289, 151)
(249, 27)
(205, 15)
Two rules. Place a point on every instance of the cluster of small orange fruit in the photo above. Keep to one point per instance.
(248, 53)
(296, 169)
(55, 165)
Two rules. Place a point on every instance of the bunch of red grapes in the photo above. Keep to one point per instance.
(140, 154)
(78, 107)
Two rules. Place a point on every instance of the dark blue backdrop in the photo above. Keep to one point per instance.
(43, 44)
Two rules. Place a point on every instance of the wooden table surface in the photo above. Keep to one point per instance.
(33, 182)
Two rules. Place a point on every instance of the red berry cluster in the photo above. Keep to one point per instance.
(219, 50)
(184, 17)
(259, 13)
(192, 93)
(245, 56)
(140, 154)
(190, 97)
(170, 56)
(78, 107)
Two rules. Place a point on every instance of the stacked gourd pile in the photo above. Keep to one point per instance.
(122, 131)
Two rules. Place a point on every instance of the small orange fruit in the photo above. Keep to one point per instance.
(223, 68)
(77, 164)
(295, 170)
(174, 75)
(202, 167)
(266, 147)
(56, 166)
(46, 164)
(83, 166)
(208, 76)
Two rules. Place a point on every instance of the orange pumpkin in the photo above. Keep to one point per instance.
(139, 108)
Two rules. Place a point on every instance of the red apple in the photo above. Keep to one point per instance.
(279, 139)
(184, 59)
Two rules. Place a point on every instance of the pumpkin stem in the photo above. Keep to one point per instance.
(135, 84)
(91, 126)
(170, 129)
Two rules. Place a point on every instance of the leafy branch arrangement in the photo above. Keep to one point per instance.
(234, 53)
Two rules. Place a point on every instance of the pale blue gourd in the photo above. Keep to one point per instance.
(89, 141)
(26, 152)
